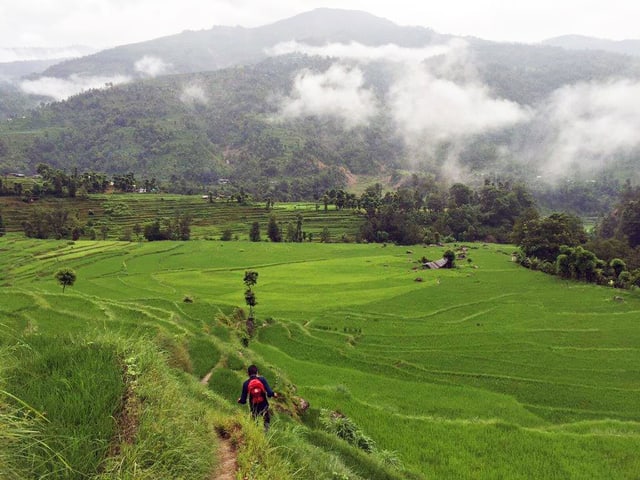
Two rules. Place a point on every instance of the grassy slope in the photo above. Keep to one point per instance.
(486, 372)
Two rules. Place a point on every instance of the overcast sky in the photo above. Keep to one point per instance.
(104, 23)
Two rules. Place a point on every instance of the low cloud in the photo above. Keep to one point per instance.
(364, 53)
(21, 54)
(435, 96)
(338, 92)
(435, 109)
(194, 95)
(151, 66)
(63, 88)
(589, 124)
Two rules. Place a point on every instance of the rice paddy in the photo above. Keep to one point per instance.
(487, 370)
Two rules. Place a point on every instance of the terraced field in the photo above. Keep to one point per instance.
(121, 212)
(483, 371)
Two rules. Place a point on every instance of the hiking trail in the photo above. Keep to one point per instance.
(227, 458)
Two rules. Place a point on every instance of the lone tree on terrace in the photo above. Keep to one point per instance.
(66, 277)
(250, 280)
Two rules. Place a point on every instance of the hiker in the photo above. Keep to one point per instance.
(257, 389)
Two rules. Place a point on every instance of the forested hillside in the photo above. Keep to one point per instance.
(347, 95)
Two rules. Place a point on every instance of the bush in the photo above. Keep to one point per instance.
(344, 428)
(548, 268)
(227, 235)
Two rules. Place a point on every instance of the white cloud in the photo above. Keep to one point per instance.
(63, 88)
(337, 92)
(429, 110)
(590, 123)
(434, 102)
(194, 94)
(152, 66)
(364, 53)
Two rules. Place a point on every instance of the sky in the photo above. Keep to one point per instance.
(106, 23)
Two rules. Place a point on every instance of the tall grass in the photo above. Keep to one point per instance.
(77, 386)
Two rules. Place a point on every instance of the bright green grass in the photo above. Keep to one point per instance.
(78, 420)
(487, 372)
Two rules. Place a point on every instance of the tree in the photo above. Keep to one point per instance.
(273, 230)
(250, 280)
(618, 266)
(227, 235)
(299, 235)
(137, 229)
(37, 224)
(124, 183)
(254, 233)
(325, 235)
(182, 227)
(630, 222)
(543, 237)
(451, 258)
(66, 277)
(459, 195)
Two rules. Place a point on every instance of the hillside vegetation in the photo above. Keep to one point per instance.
(486, 370)
(232, 111)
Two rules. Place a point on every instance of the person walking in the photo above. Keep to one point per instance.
(257, 390)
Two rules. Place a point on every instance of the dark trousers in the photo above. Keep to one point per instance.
(262, 410)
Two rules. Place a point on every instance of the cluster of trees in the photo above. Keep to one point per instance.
(580, 197)
(424, 211)
(60, 223)
(58, 183)
(610, 255)
(55, 223)
(293, 233)
(178, 228)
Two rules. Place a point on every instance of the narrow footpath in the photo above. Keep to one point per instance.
(227, 458)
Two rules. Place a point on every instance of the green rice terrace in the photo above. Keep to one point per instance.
(121, 212)
(484, 371)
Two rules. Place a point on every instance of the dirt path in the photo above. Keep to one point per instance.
(206, 378)
(227, 458)
(227, 463)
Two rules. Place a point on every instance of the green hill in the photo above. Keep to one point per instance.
(215, 108)
(485, 370)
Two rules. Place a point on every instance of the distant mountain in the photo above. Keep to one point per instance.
(13, 71)
(23, 54)
(18, 63)
(222, 47)
(579, 42)
(519, 72)
(220, 107)
(21, 61)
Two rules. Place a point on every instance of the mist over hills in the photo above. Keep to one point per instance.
(580, 42)
(326, 95)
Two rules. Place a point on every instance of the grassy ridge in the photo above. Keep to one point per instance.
(484, 371)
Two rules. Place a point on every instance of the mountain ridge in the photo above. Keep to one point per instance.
(221, 46)
(582, 42)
